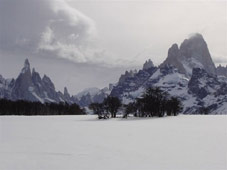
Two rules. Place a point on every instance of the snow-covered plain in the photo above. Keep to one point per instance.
(83, 142)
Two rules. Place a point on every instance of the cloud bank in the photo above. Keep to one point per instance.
(47, 27)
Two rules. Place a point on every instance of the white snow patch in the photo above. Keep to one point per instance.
(156, 74)
(37, 97)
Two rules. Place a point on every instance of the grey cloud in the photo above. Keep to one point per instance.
(46, 27)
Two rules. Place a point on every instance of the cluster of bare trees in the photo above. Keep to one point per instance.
(154, 102)
(109, 107)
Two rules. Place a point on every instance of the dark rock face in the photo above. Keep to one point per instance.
(222, 90)
(201, 82)
(23, 84)
(193, 53)
(208, 90)
(148, 64)
(174, 59)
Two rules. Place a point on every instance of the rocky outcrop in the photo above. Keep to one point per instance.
(193, 53)
(127, 74)
(202, 84)
(24, 86)
(148, 64)
(222, 71)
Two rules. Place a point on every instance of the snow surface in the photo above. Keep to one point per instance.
(185, 142)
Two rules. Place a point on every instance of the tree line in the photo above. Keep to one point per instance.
(154, 102)
(21, 107)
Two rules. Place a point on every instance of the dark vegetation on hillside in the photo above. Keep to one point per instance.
(154, 102)
(22, 107)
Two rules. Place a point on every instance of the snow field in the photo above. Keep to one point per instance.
(185, 142)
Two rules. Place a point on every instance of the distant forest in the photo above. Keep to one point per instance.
(28, 108)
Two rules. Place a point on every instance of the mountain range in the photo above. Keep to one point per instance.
(30, 86)
(188, 73)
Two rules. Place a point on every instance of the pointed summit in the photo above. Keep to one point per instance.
(26, 67)
(148, 64)
(47, 82)
(26, 63)
(193, 53)
(66, 94)
(65, 90)
(33, 70)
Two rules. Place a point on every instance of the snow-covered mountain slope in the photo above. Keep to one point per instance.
(92, 95)
(91, 91)
(30, 86)
(188, 73)
(202, 90)
(209, 91)
(193, 53)
(167, 78)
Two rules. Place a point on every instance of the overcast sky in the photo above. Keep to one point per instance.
(88, 43)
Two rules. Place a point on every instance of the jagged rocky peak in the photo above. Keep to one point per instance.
(36, 77)
(23, 84)
(111, 86)
(221, 70)
(127, 74)
(26, 67)
(33, 70)
(66, 93)
(174, 51)
(193, 53)
(30, 86)
(47, 82)
(148, 64)
(26, 63)
(1, 79)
